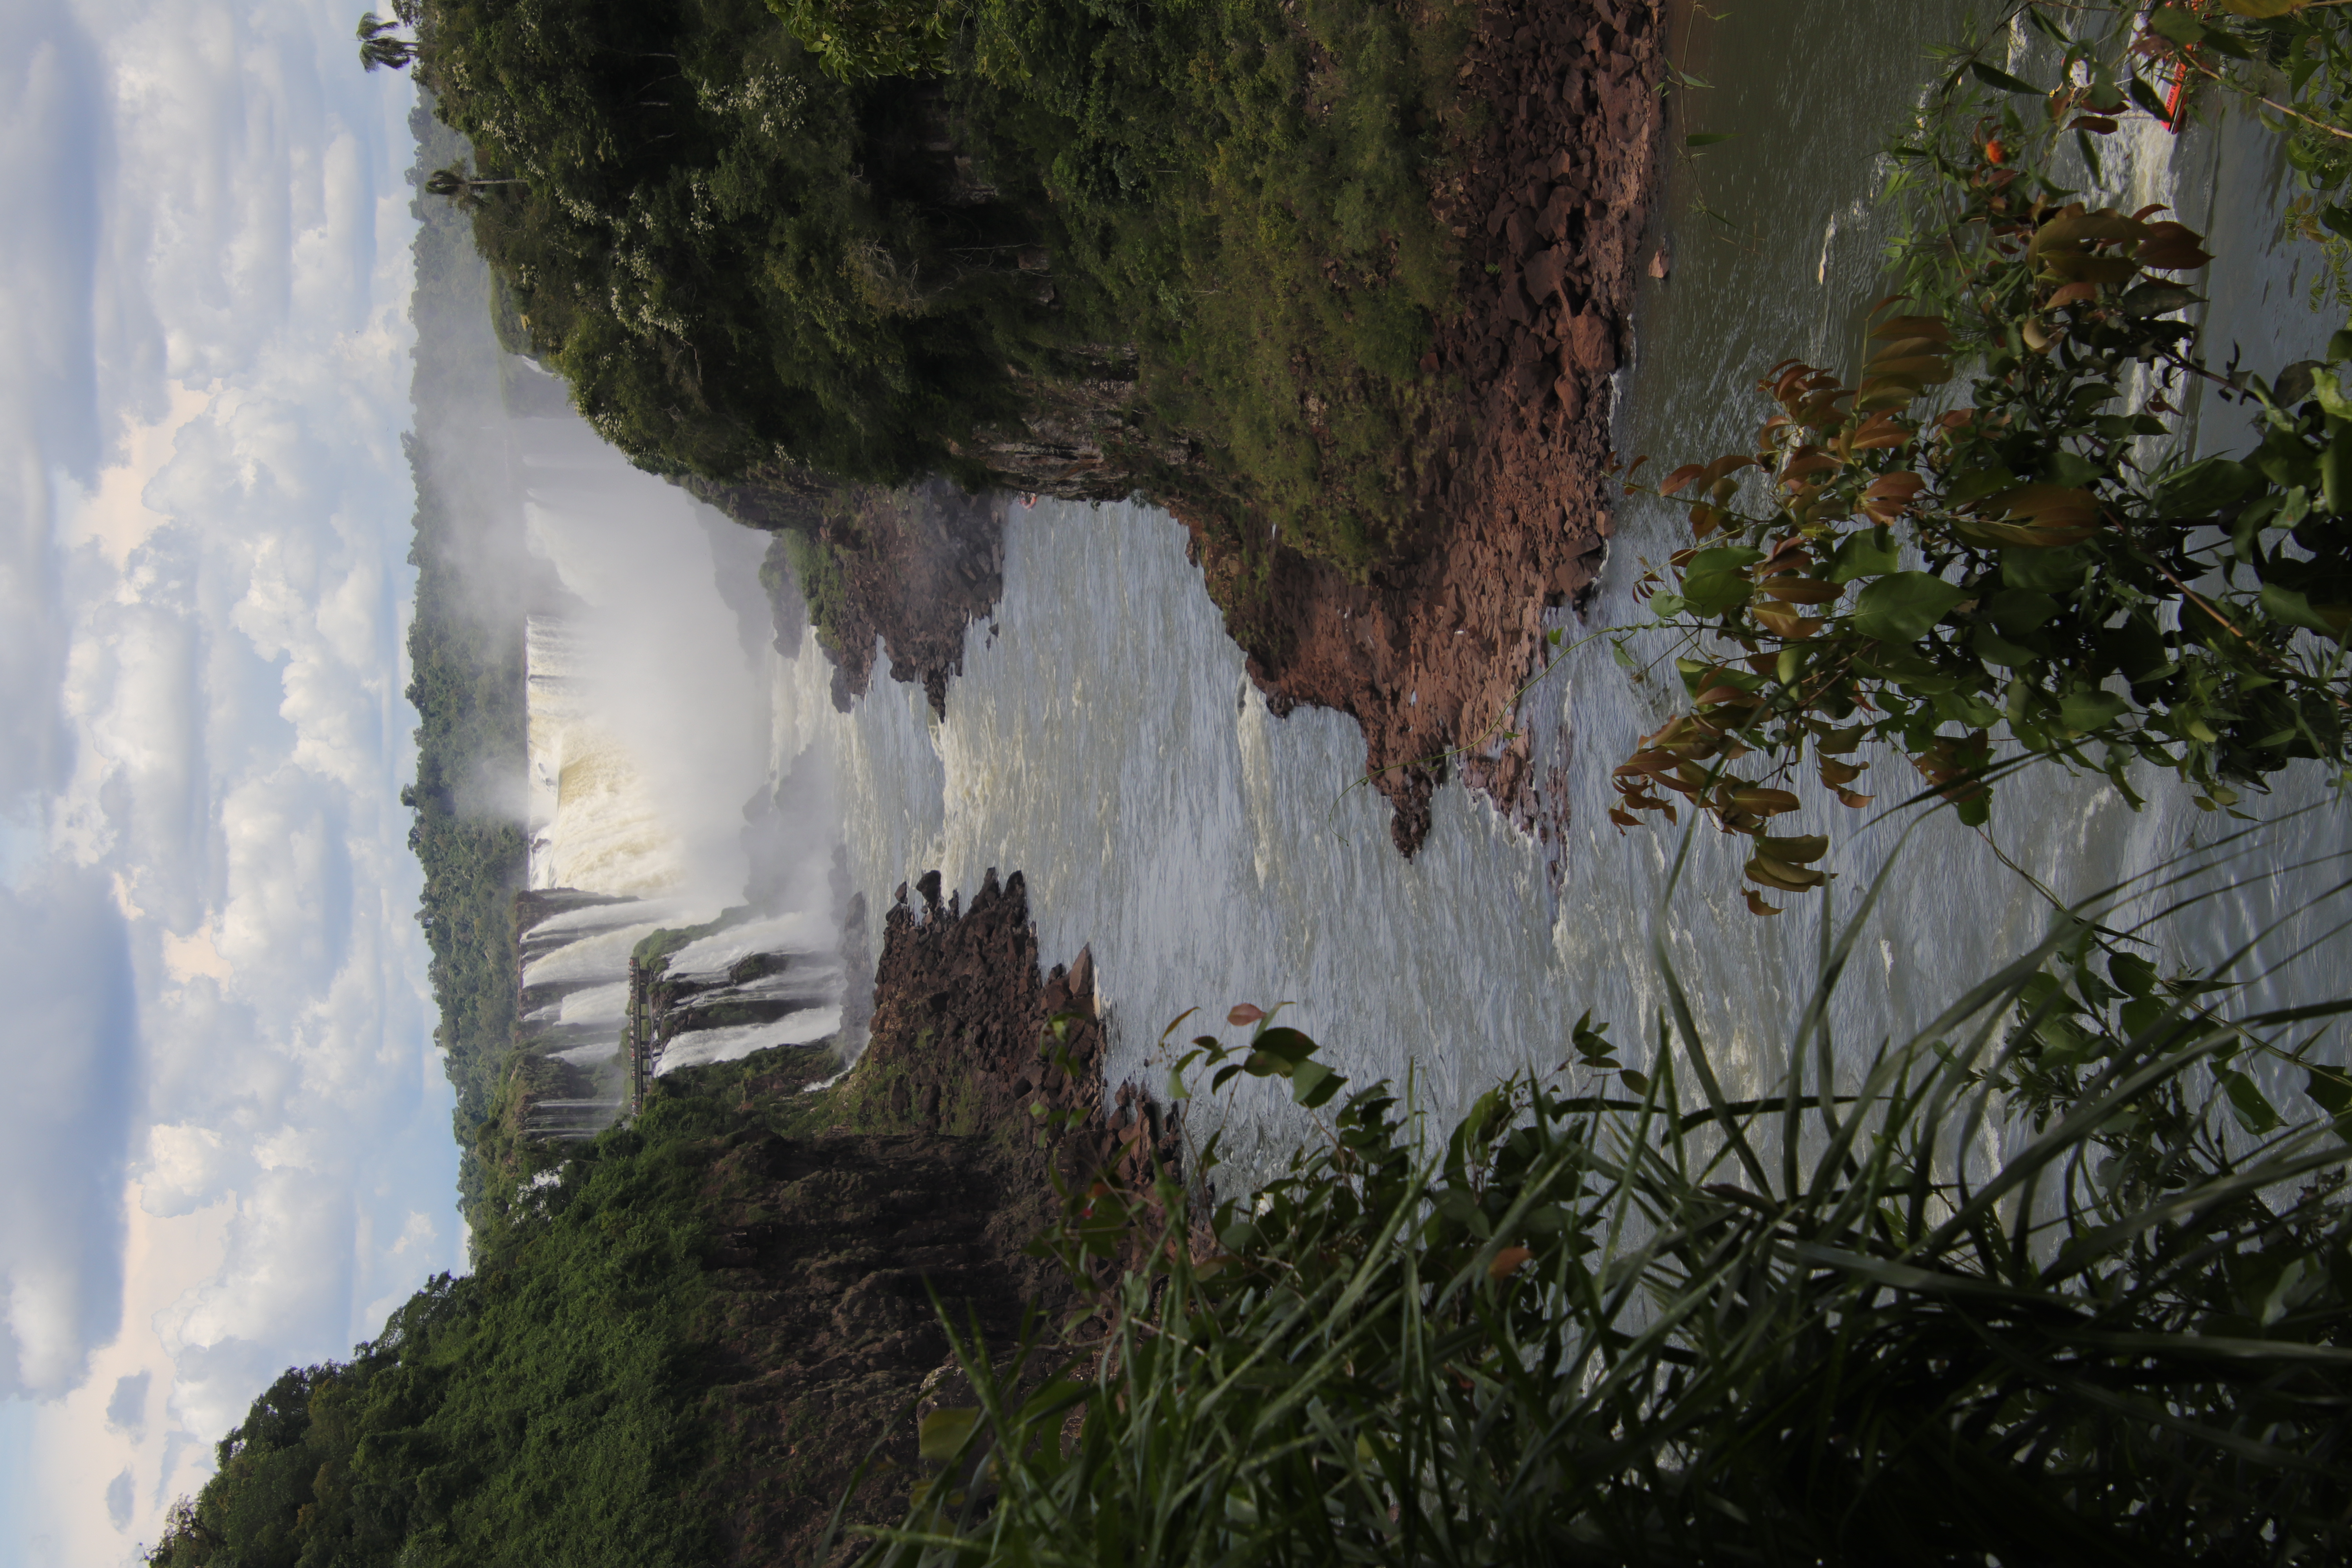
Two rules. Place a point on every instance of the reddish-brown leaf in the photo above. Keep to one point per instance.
(2172, 247)
(1680, 476)
(1800, 590)
(1913, 327)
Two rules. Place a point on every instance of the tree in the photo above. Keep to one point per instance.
(2032, 564)
(1051, 244)
(379, 47)
(461, 188)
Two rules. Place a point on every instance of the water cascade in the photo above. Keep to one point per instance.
(666, 924)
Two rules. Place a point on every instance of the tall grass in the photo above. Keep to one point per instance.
(2049, 1281)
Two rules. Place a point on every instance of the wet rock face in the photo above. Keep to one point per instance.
(1548, 206)
(919, 564)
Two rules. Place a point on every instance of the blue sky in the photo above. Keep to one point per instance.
(229, 1146)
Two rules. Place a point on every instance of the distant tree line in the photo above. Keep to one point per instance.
(466, 673)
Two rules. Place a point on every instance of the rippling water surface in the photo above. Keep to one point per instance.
(1104, 741)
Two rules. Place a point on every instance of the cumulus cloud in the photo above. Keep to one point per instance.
(70, 1058)
(225, 1090)
(126, 1411)
(54, 141)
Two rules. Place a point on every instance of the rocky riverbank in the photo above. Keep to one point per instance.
(1548, 198)
(1549, 204)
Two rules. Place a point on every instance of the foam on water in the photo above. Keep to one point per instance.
(705, 1046)
(796, 932)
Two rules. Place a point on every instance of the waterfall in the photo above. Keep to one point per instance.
(649, 730)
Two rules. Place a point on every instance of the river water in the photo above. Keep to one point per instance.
(1104, 740)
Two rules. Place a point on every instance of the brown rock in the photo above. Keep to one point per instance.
(1562, 154)
(1590, 343)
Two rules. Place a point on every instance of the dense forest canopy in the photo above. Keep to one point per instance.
(506, 1416)
(741, 261)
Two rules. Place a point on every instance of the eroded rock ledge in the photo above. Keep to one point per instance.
(917, 565)
(923, 1169)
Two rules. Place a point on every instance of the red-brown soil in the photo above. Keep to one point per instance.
(1548, 204)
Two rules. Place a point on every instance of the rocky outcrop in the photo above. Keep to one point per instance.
(929, 1169)
(911, 567)
(962, 1036)
(1509, 472)
(1549, 204)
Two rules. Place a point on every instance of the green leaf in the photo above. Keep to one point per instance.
(1993, 77)
(2079, 713)
(2326, 387)
(1902, 607)
(1277, 1053)
(2149, 99)
(1872, 553)
(1712, 593)
(2133, 975)
(2172, 22)
(1053, 1399)
(2020, 611)
(2331, 1089)
(2150, 300)
(2064, 467)
(944, 1432)
(1994, 648)
(2289, 607)
(2050, 571)
(2204, 488)
(1977, 485)
(2254, 1114)
(1312, 1084)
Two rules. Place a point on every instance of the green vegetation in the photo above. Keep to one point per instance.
(1199, 236)
(466, 662)
(2037, 562)
(2286, 62)
(550, 1400)
(2053, 1279)
(1640, 1322)
(653, 951)
(815, 567)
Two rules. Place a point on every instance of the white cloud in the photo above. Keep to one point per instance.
(242, 1137)
(69, 1060)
